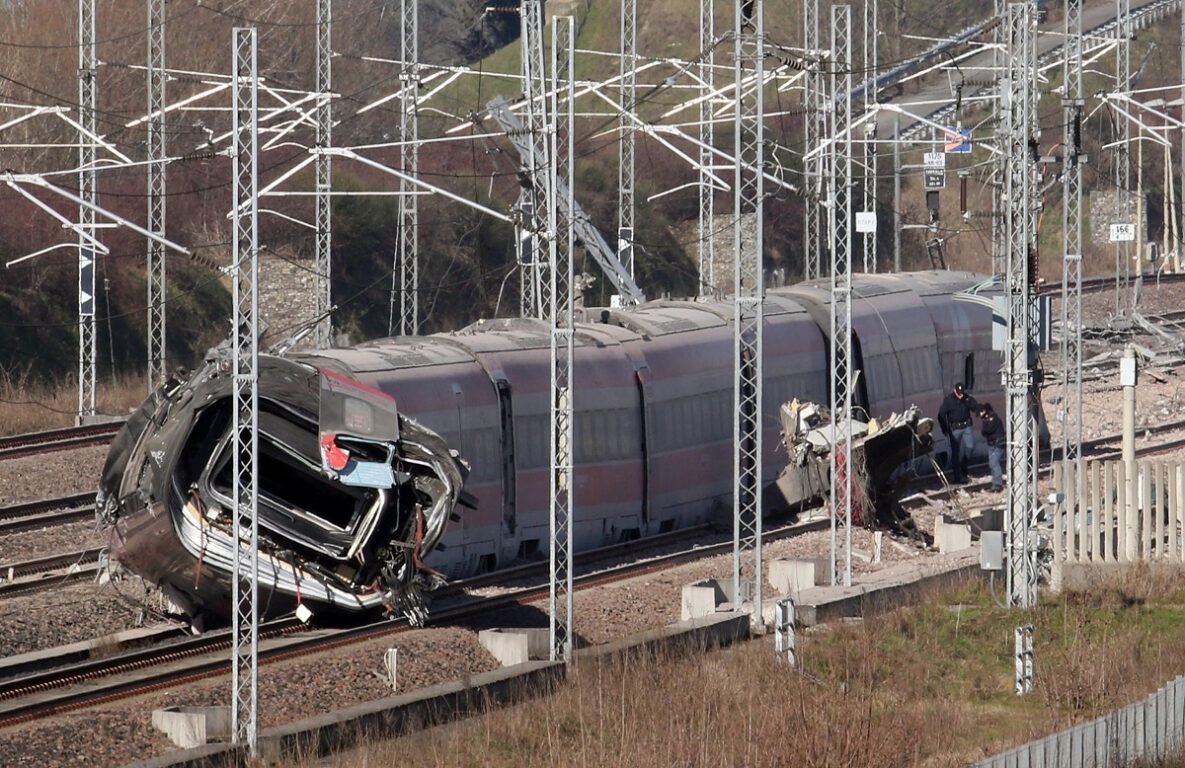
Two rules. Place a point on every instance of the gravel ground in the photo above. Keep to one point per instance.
(77, 611)
(27, 545)
(298, 688)
(53, 474)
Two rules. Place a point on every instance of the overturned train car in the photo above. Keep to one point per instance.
(365, 450)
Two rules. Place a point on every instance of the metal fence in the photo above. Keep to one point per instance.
(1120, 512)
(1149, 730)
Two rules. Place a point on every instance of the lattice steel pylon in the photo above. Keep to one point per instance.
(245, 369)
(1019, 109)
(871, 29)
(1000, 159)
(535, 119)
(409, 209)
(627, 143)
(560, 307)
(840, 231)
(707, 137)
(748, 315)
(157, 78)
(323, 262)
(1071, 314)
(813, 125)
(1123, 36)
(87, 191)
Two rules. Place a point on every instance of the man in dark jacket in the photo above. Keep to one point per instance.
(955, 419)
(993, 432)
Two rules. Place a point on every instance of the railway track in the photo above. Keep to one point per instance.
(35, 443)
(41, 694)
(96, 681)
(19, 577)
(44, 513)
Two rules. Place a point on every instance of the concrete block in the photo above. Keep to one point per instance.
(515, 646)
(702, 598)
(189, 727)
(951, 537)
(788, 576)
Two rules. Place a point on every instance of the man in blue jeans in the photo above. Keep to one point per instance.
(993, 433)
(955, 419)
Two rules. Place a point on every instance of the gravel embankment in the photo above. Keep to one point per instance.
(52, 474)
(27, 545)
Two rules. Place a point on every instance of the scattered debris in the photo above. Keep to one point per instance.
(882, 452)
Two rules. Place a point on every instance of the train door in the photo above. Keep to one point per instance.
(642, 376)
(509, 480)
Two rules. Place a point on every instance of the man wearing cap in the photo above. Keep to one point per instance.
(955, 419)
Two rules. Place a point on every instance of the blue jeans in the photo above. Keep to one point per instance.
(962, 443)
(996, 462)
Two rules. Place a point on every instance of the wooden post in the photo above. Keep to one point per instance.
(1155, 526)
(1061, 486)
(1094, 471)
(1116, 506)
(1171, 535)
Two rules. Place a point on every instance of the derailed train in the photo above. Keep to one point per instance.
(367, 453)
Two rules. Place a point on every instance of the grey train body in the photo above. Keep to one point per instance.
(654, 401)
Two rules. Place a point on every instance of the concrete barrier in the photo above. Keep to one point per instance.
(951, 537)
(701, 599)
(193, 726)
(515, 646)
(787, 576)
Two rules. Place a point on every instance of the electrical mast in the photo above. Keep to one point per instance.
(1019, 106)
(409, 135)
(155, 125)
(870, 63)
(748, 316)
(532, 214)
(245, 363)
(322, 271)
(560, 298)
(707, 138)
(1071, 315)
(813, 126)
(627, 139)
(842, 373)
(88, 192)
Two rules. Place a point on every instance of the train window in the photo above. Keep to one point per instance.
(969, 372)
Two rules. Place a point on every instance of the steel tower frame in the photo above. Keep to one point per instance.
(748, 314)
(155, 125)
(999, 40)
(1123, 35)
(627, 144)
(1071, 314)
(88, 89)
(409, 207)
(840, 230)
(560, 307)
(707, 138)
(871, 28)
(1021, 193)
(532, 211)
(245, 364)
(323, 268)
(813, 128)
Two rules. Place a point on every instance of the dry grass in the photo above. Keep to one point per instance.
(929, 686)
(29, 407)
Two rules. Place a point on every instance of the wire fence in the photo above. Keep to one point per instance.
(1150, 730)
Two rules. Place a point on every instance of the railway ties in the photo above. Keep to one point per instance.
(48, 572)
(45, 513)
(36, 443)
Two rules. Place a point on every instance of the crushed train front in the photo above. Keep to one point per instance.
(352, 496)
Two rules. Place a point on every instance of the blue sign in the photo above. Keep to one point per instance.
(958, 141)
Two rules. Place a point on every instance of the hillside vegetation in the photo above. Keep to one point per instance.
(466, 258)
